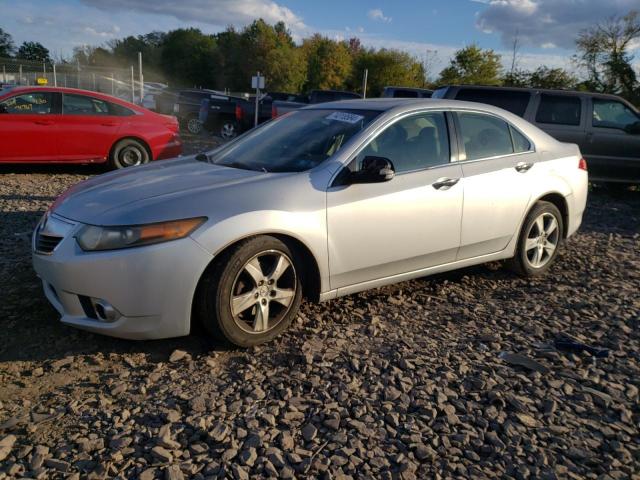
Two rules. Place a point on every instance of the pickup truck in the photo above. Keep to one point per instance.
(280, 107)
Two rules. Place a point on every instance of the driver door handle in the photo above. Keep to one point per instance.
(522, 167)
(445, 183)
(43, 122)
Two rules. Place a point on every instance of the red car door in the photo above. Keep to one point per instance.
(87, 128)
(29, 126)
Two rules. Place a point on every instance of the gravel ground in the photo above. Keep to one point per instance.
(405, 381)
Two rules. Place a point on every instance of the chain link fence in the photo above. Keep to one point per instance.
(120, 82)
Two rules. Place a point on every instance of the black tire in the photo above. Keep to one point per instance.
(193, 125)
(128, 152)
(523, 263)
(227, 278)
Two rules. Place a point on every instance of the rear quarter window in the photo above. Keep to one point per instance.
(559, 110)
(511, 101)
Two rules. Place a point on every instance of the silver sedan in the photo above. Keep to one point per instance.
(325, 201)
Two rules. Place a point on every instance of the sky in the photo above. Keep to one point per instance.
(429, 30)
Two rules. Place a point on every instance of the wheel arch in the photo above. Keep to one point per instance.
(311, 279)
(561, 204)
(144, 143)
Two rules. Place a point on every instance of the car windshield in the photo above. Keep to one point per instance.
(295, 142)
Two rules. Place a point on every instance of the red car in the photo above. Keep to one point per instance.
(66, 125)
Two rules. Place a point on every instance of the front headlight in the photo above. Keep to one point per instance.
(92, 238)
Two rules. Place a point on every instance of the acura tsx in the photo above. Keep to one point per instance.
(322, 202)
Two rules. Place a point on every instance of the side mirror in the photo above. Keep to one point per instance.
(3, 108)
(374, 170)
(633, 128)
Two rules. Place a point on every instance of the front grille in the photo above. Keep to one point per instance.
(46, 243)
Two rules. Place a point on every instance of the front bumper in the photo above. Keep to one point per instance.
(151, 288)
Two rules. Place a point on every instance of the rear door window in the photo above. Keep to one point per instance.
(83, 105)
(512, 101)
(484, 136)
(559, 110)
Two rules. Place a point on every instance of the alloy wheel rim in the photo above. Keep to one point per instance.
(542, 240)
(228, 131)
(131, 156)
(194, 126)
(263, 292)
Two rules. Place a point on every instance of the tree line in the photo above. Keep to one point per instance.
(187, 57)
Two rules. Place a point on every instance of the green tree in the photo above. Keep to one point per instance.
(472, 65)
(33, 51)
(189, 58)
(329, 63)
(386, 67)
(541, 77)
(603, 51)
(264, 48)
(7, 47)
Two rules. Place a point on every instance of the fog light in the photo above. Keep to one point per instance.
(104, 310)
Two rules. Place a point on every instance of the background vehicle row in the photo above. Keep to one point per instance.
(605, 127)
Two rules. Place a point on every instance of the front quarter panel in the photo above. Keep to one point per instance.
(294, 205)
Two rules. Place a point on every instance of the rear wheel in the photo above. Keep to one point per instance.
(539, 240)
(229, 130)
(128, 153)
(252, 294)
(194, 125)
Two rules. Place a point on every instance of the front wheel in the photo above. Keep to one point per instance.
(539, 241)
(252, 294)
(128, 153)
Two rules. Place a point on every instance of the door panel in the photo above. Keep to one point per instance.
(611, 152)
(87, 129)
(495, 198)
(383, 229)
(29, 129)
(497, 173)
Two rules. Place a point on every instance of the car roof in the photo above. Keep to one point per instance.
(384, 104)
(557, 91)
(79, 91)
(413, 89)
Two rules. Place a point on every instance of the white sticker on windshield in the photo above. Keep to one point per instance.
(345, 117)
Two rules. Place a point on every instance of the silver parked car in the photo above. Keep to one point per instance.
(325, 201)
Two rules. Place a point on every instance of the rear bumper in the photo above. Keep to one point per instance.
(151, 288)
(170, 149)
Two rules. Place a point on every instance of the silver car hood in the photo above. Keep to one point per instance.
(160, 191)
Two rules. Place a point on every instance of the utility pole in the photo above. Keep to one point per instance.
(257, 82)
(364, 83)
(141, 76)
(55, 77)
(133, 87)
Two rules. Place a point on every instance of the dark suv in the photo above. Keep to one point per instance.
(185, 105)
(605, 127)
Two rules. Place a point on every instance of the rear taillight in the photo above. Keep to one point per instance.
(582, 164)
(239, 113)
(274, 111)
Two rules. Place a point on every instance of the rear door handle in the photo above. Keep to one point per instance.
(445, 183)
(43, 122)
(523, 167)
(109, 124)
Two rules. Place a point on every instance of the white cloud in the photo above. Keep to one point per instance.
(546, 22)
(219, 13)
(377, 15)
